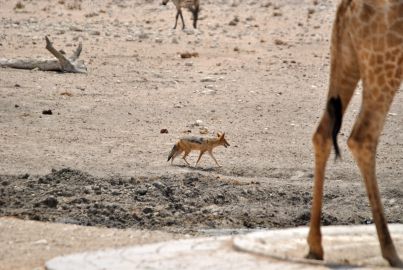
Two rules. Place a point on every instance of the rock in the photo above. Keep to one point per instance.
(280, 42)
(41, 242)
(189, 54)
(95, 33)
(164, 131)
(142, 36)
(234, 21)
(130, 38)
(198, 123)
(50, 202)
(142, 192)
(203, 130)
(47, 112)
(24, 176)
(208, 79)
(148, 210)
(75, 28)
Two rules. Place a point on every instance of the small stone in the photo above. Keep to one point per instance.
(75, 28)
(41, 242)
(234, 21)
(198, 123)
(130, 38)
(164, 131)
(189, 54)
(143, 36)
(279, 42)
(47, 112)
(50, 202)
(203, 130)
(148, 210)
(208, 79)
(95, 33)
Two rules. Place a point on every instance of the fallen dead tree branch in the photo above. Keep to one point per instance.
(62, 63)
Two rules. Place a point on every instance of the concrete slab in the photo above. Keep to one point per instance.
(346, 247)
(343, 245)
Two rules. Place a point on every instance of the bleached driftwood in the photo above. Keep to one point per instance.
(62, 63)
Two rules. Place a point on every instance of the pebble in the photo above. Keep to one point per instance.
(208, 79)
(95, 33)
(50, 202)
(75, 28)
(41, 242)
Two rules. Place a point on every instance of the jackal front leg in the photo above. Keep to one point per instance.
(201, 154)
(216, 162)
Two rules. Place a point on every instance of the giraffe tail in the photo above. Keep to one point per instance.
(334, 109)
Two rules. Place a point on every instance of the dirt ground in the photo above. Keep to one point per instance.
(99, 159)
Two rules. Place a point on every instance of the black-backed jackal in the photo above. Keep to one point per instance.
(189, 143)
(192, 5)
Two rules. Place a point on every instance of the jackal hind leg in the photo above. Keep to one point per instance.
(175, 155)
(185, 155)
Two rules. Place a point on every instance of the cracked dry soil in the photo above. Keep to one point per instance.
(187, 203)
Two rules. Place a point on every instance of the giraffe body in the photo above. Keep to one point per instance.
(367, 45)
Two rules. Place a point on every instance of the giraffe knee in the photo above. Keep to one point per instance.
(321, 140)
(361, 145)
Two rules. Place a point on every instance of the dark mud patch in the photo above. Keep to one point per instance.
(189, 202)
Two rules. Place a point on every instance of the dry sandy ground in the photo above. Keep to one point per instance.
(262, 79)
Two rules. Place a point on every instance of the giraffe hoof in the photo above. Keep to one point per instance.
(314, 256)
(396, 262)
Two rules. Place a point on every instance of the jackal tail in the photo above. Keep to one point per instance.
(173, 151)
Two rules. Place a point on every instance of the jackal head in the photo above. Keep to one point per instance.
(164, 2)
(222, 139)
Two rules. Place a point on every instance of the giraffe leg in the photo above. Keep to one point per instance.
(201, 154)
(344, 76)
(176, 19)
(322, 142)
(363, 144)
